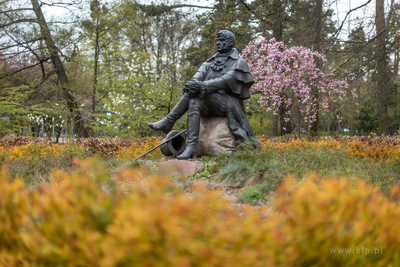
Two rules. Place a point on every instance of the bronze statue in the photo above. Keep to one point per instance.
(217, 89)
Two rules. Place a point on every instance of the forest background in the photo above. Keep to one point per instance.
(105, 68)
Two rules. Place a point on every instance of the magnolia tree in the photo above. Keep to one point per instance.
(289, 80)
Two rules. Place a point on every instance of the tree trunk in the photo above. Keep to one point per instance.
(277, 24)
(298, 126)
(317, 47)
(96, 66)
(381, 76)
(72, 104)
(219, 18)
(277, 32)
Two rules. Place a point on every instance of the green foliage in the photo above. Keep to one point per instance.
(127, 62)
(238, 174)
(255, 194)
(204, 174)
(367, 120)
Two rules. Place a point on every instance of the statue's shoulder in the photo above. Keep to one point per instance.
(210, 59)
(241, 64)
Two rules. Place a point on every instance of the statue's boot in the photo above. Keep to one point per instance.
(168, 122)
(193, 125)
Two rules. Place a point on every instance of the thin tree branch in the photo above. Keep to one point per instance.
(45, 78)
(367, 43)
(17, 21)
(15, 10)
(18, 44)
(347, 14)
(17, 71)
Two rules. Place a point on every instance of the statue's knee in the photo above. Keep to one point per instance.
(194, 106)
(194, 102)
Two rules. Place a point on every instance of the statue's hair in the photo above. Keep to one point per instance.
(228, 35)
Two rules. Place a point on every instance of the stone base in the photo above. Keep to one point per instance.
(179, 168)
(215, 137)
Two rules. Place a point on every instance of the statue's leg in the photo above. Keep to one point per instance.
(225, 105)
(196, 107)
(167, 122)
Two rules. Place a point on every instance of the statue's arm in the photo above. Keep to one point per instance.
(213, 85)
(203, 88)
(237, 80)
(207, 87)
(201, 73)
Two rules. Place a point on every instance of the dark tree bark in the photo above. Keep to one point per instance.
(277, 22)
(277, 31)
(219, 20)
(79, 125)
(317, 47)
(382, 73)
(96, 67)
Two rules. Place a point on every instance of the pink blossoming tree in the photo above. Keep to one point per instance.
(286, 77)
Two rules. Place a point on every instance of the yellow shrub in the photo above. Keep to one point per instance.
(84, 219)
(335, 222)
(121, 149)
(38, 150)
(139, 146)
(374, 152)
(356, 148)
(89, 218)
(115, 147)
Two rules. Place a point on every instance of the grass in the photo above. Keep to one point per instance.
(258, 171)
(261, 171)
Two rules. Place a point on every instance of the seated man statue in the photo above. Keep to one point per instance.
(217, 89)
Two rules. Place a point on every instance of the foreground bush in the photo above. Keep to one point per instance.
(335, 222)
(87, 218)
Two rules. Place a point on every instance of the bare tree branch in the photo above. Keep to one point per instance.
(17, 21)
(366, 43)
(16, 10)
(45, 78)
(18, 44)
(17, 71)
(347, 14)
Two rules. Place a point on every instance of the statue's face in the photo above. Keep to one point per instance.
(223, 45)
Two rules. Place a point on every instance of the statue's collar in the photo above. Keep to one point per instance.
(234, 55)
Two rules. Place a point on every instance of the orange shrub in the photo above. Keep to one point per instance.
(89, 218)
(85, 219)
(123, 149)
(335, 222)
(126, 149)
(358, 148)
(139, 146)
(37, 150)
(374, 152)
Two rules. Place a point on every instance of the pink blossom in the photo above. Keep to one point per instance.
(286, 76)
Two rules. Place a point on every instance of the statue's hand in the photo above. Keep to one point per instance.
(192, 88)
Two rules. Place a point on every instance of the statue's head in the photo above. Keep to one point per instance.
(225, 41)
